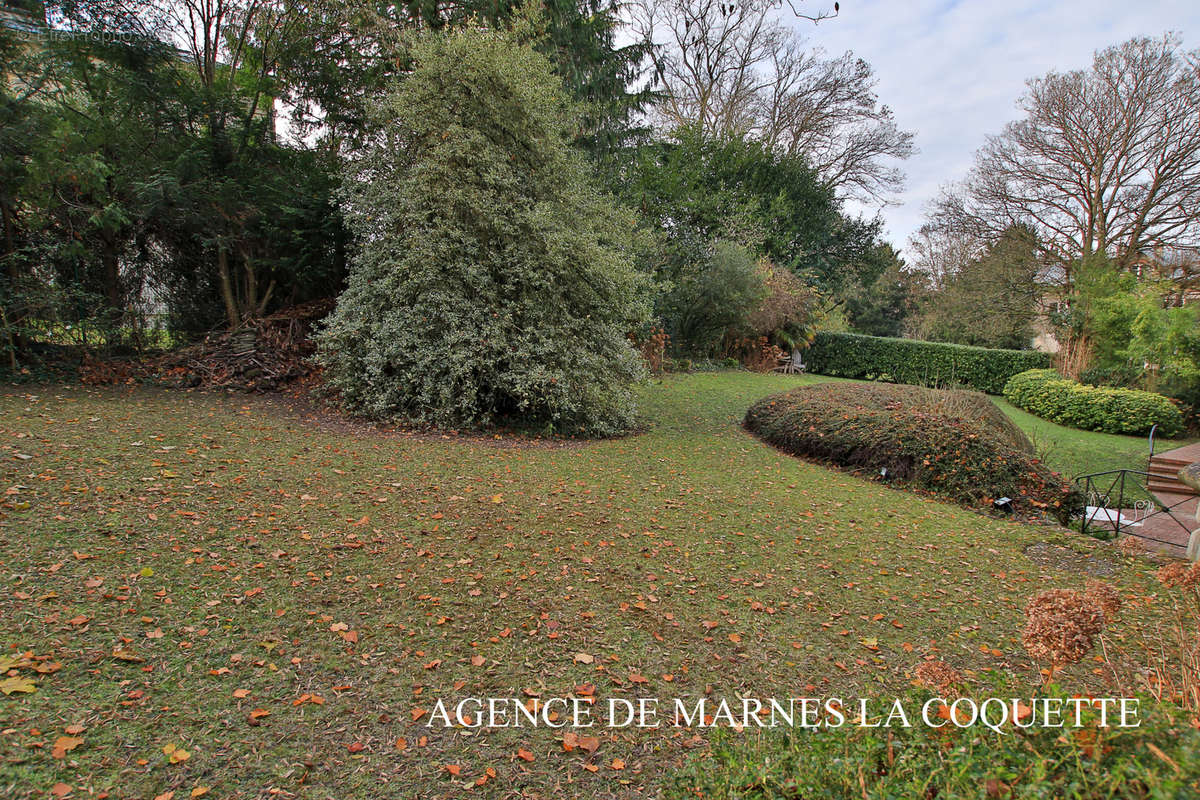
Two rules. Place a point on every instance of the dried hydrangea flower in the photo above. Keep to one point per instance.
(1105, 596)
(938, 675)
(1131, 546)
(1179, 575)
(1060, 626)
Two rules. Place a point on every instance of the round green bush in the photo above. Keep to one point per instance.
(1046, 394)
(492, 282)
(955, 444)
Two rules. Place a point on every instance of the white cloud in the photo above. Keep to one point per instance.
(952, 71)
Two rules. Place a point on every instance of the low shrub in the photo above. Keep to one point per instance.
(1044, 393)
(876, 358)
(955, 444)
(1158, 759)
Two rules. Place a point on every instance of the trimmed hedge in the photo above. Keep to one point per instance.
(954, 444)
(1045, 393)
(876, 358)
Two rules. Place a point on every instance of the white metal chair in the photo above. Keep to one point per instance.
(791, 365)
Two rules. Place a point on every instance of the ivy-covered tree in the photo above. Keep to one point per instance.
(491, 282)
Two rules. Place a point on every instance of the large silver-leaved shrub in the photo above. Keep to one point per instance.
(492, 282)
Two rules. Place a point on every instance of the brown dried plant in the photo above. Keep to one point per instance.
(1061, 627)
(1105, 596)
(1131, 547)
(1174, 669)
(938, 675)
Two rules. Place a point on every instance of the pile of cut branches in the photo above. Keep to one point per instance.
(260, 355)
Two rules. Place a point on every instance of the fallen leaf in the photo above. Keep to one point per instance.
(64, 745)
(17, 684)
(176, 754)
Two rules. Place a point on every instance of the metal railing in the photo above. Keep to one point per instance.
(1119, 501)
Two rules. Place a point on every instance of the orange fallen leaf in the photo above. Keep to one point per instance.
(524, 755)
(64, 745)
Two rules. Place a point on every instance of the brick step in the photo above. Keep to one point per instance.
(1166, 474)
(1166, 461)
(1163, 487)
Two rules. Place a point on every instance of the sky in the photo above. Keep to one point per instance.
(952, 71)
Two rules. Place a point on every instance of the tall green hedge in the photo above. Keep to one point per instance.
(1047, 394)
(851, 355)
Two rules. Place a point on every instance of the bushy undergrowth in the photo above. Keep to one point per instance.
(1047, 394)
(1158, 759)
(953, 443)
(876, 358)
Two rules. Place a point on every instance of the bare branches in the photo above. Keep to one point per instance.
(1105, 160)
(737, 68)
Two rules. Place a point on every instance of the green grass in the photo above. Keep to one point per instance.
(247, 555)
(1074, 452)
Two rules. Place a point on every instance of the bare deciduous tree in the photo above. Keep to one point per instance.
(941, 253)
(737, 68)
(1106, 160)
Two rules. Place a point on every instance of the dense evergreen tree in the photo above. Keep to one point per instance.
(491, 281)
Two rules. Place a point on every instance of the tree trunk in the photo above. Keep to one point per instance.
(231, 306)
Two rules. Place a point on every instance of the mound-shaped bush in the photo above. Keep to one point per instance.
(1047, 394)
(955, 444)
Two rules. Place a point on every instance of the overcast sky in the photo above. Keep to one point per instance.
(952, 70)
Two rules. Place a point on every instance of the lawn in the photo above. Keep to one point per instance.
(1075, 452)
(245, 600)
